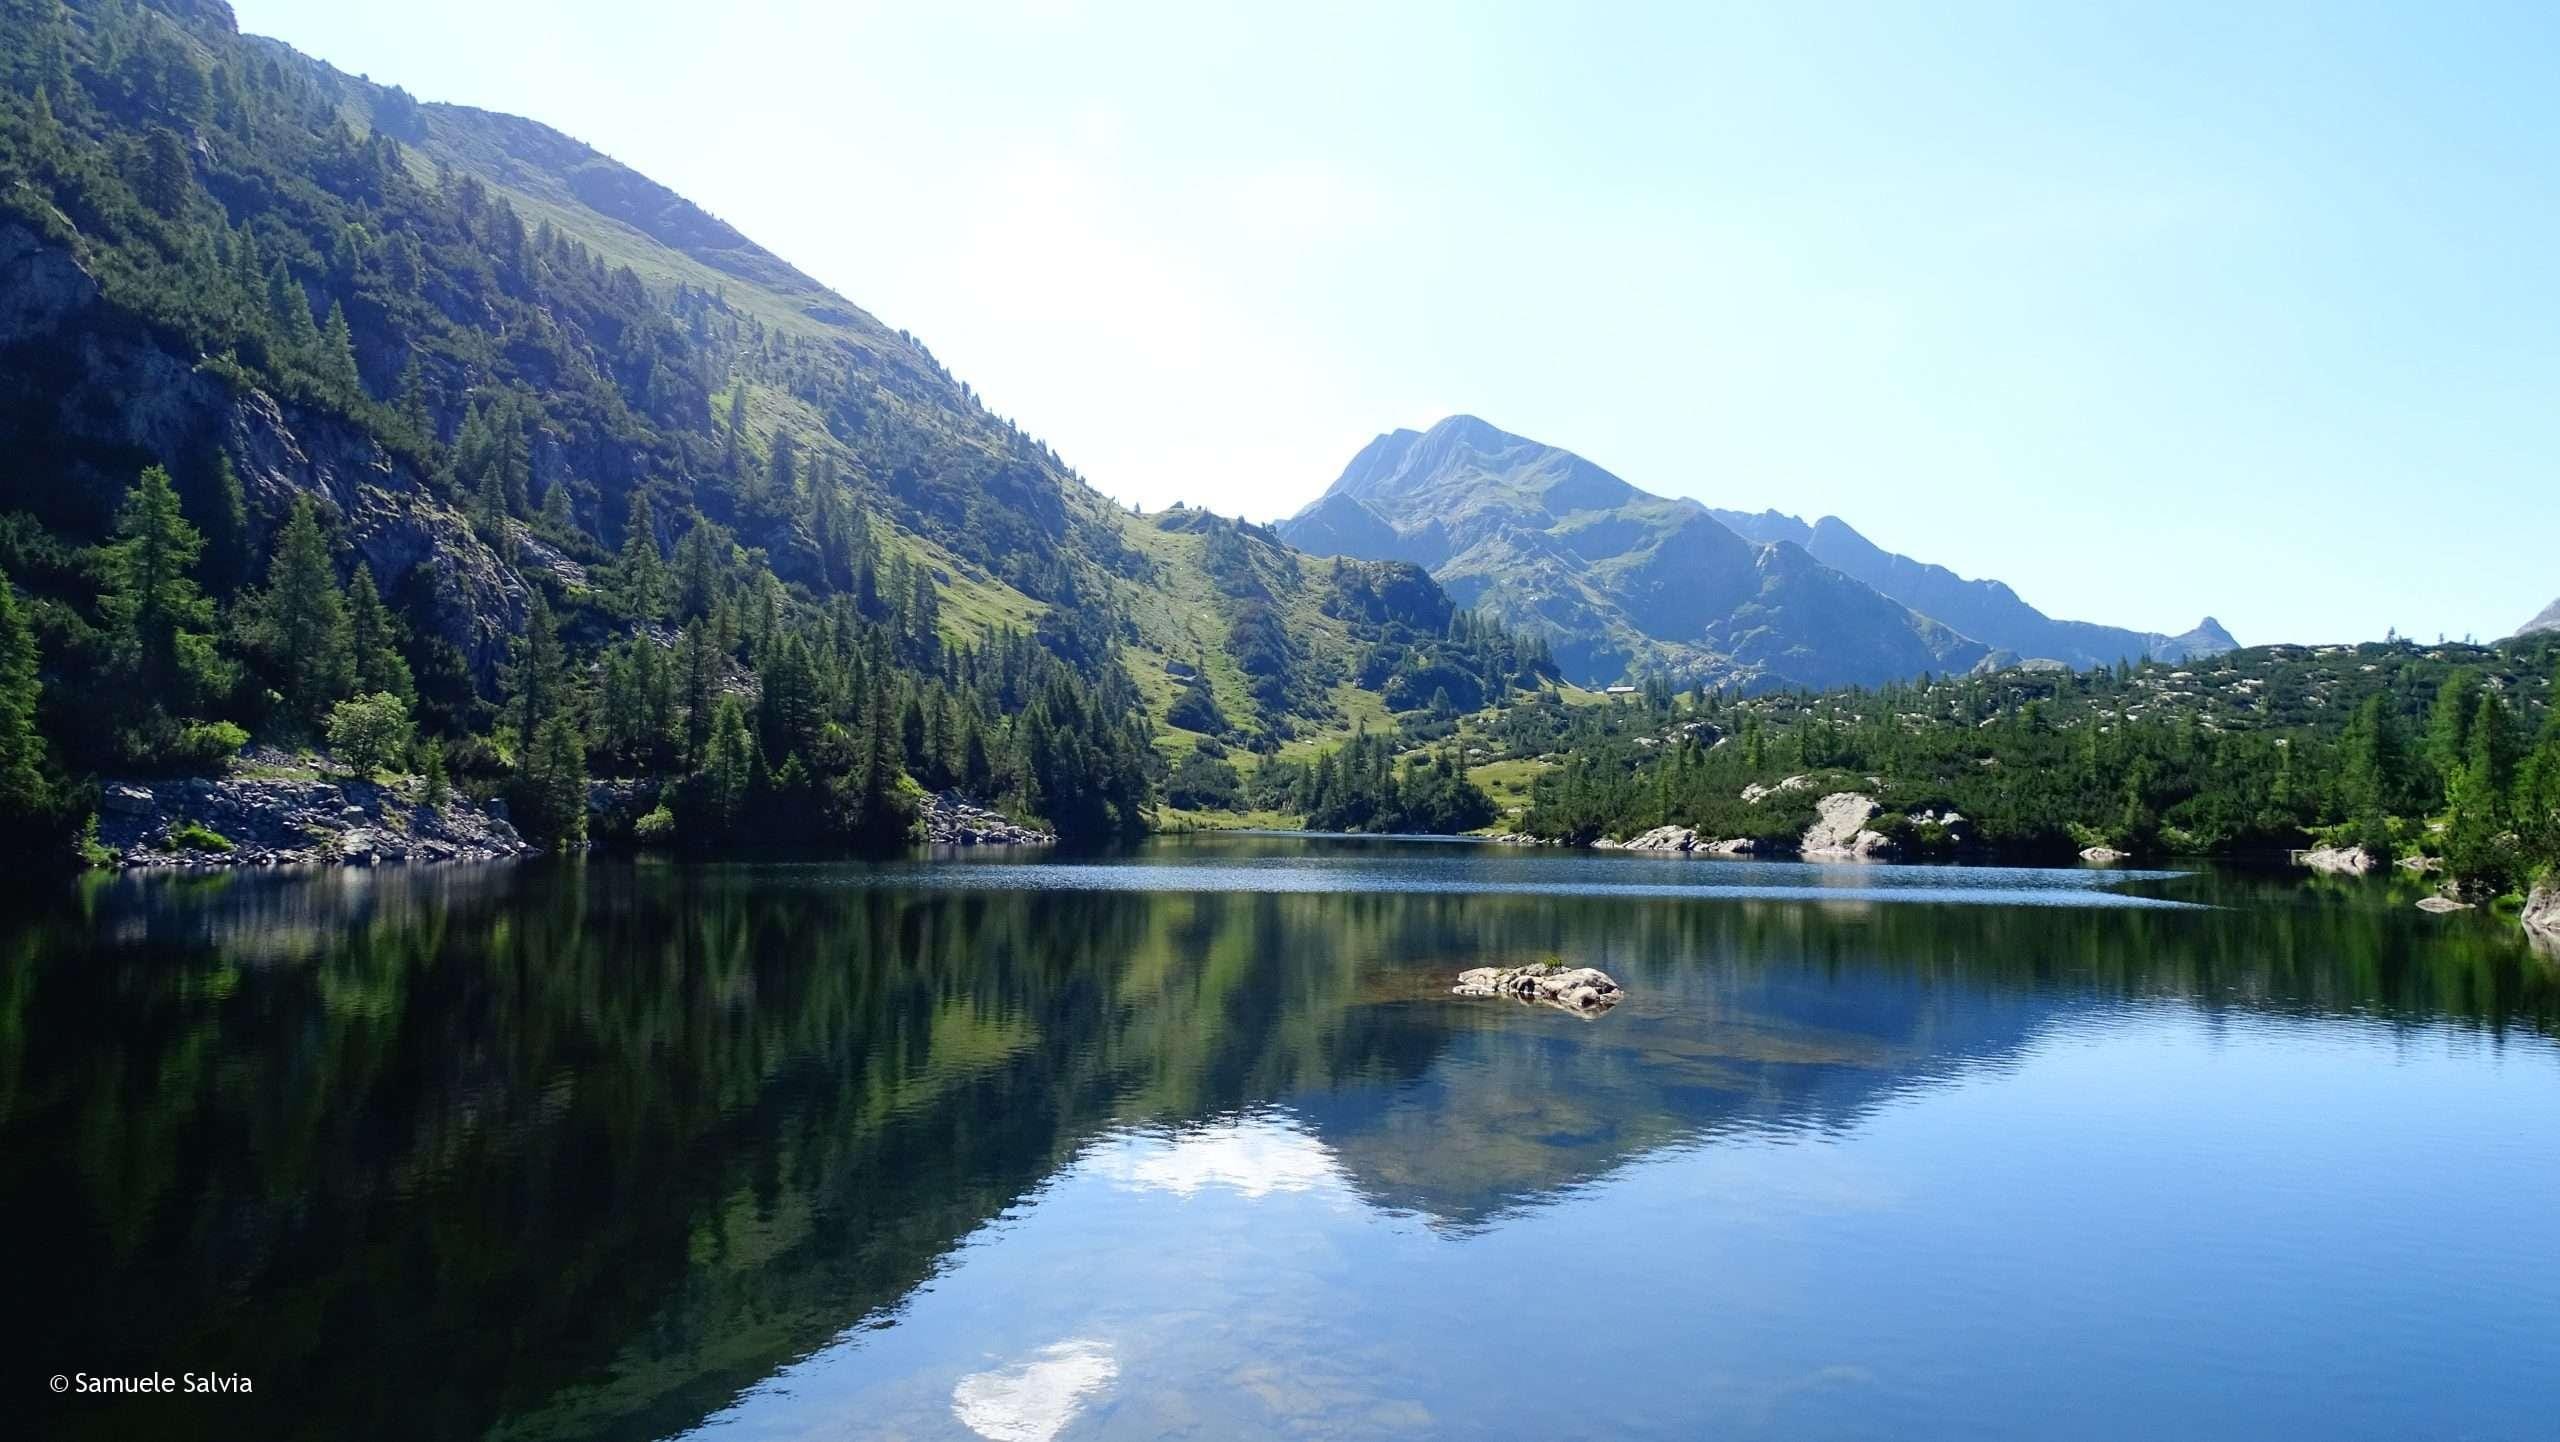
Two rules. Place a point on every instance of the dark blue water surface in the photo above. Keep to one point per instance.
(1193, 1142)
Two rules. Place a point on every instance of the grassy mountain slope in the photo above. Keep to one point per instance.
(477, 348)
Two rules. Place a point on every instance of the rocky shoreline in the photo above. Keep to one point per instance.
(291, 819)
(950, 820)
(285, 810)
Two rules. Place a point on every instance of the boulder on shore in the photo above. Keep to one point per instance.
(1665, 838)
(1582, 990)
(2341, 861)
(2542, 914)
(2104, 856)
(1840, 832)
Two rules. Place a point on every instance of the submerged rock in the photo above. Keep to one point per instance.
(1583, 990)
(2441, 904)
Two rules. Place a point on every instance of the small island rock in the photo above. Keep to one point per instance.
(1584, 990)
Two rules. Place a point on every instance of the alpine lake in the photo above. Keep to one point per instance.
(1193, 1141)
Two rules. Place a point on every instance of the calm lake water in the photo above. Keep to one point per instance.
(1193, 1142)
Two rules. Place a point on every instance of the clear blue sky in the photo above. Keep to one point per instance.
(2150, 310)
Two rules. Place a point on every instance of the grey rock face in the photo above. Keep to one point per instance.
(110, 388)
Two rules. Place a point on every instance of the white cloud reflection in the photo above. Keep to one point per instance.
(1252, 1156)
(1033, 1401)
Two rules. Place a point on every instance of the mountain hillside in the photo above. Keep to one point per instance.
(1988, 611)
(316, 394)
(1619, 581)
(2549, 620)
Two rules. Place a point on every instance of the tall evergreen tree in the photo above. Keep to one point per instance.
(373, 636)
(156, 616)
(643, 576)
(299, 624)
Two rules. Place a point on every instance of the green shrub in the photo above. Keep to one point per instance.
(370, 733)
(658, 828)
(194, 836)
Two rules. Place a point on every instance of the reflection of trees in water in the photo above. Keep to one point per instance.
(591, 1149)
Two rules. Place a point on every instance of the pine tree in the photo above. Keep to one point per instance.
(23, 791)
(537, 678)
(701, 667)
(643, 576)
(154, 612)
(299, 625)
(549, 798)
(167, 181)
(290, 309)
(338, 354)
(374, 637)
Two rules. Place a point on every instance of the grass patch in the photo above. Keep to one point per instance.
(193, 836)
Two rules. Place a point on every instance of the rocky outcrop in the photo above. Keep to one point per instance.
(1682, 841)
(2104, 855)
(950, 820)
(290, 819)
(1518, 838)
(2542, 912)
(1582, 990)
(2342, 861)
(1755, 793)
(1840, 831)
(108, 396)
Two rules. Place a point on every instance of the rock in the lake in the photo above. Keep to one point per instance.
(1731, 846)
(2442, 904)
(2104, 856)
(1665, 838)
(1583, 990)
(2341, 860)
(1840, 832)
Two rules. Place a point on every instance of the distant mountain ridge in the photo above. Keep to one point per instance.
(1988, 611)
(1619, 580)
(2549, 620)
(1623, 581)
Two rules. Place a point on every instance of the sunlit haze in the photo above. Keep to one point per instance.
(2151, 311)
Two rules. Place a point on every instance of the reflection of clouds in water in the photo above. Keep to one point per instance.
(1034, 1401)
(1253, 1156)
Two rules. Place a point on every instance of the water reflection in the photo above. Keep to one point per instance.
(595, 1152)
